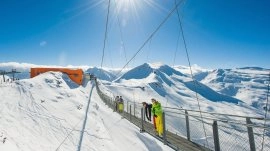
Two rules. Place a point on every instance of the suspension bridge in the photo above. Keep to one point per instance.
(223, 131)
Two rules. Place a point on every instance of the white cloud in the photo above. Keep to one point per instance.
(43, 43)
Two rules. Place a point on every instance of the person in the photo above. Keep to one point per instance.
(147, 108)
(116, 103)
(121, 104)
(157, 112)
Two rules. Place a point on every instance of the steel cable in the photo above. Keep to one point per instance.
(150, 37)
(185, 45)
(106, 32)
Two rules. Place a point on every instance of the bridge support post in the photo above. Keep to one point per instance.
(144, 114)
(109, 100)
(127, 106)
(187, 125)
(130, 112)
(112, 103)
(134, 109)
(4, 77)
(142, 128)
(250, 134)
(13, 74)
(164, 128)
(114, 106)
(216, 137)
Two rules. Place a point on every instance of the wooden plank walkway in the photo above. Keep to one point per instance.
(174, 141)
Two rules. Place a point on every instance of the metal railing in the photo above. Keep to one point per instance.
(223, 132)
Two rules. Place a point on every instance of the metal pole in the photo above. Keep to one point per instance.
(187, 125)
(250, 135)
(111, 102)
(164, 128)
(127, 106)
(4, 77)
(216, 137)
(114, 106)
(144, 113)
(13, 73)
(142, 128)
(134, 109)
(130, 112)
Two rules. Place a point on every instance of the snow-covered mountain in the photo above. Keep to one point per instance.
(50, 112)
(246, 84)
(143, 71)
(174, 89)
(249, 84)
(101, 73)
(162, 76)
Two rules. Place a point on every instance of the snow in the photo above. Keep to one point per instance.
(48, 113)
(248, 84)
(165, 83)
(101, 74)
(195, 69)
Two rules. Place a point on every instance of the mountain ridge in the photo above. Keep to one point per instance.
(239, 83)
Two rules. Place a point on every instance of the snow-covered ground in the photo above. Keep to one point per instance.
(48, 112)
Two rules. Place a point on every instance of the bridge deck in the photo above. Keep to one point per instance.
(173, 140)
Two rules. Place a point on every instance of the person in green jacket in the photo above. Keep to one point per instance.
(157, 112)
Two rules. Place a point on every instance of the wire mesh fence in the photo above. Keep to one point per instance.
(133, 108)
(233, 137)
(176, 123)
(201, 133)
(261, 135)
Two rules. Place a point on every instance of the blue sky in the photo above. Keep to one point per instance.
(218, 33)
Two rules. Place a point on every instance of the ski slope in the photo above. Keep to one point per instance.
(48, 112)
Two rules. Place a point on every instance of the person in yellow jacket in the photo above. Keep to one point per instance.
(157, 112)
(120, 105)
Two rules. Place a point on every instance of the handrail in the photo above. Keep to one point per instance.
(224, 121)
(258, 118)
(212, 113)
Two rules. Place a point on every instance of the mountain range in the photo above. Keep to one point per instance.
(247, 85)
